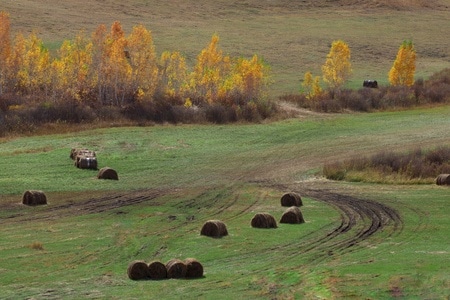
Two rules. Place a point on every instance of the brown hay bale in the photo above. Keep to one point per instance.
(443, 179)
(214, 228)
(292, 215)
(157, 270)
(86, 162)
(176, 268)
(138, 270)
(107, 173)
(291, 199)
(82, 152)
(264, 220)
(194, 268)
(33, 198)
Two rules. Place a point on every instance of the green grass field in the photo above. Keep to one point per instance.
(174, 178)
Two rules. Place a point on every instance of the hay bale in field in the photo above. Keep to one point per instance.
(107, 173)
(86, 162)
(292, 215)
(443, 179)
(83, 152)
(264, 220)
(214, 228)
(33, 198)
(194, 269)
(138, 270)
(176, 268)
(157, 270)
(291, 199)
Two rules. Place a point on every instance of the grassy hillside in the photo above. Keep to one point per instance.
(359, 241)
(292, 36)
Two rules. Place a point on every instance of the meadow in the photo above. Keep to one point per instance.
(360, 240)
(174, 178)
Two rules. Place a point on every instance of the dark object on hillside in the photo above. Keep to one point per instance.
(264, 220)
(370, 84)
(292, 215)
(443, 179)
(86, 162)
(176, 268)
(214, 228)
(107, 173)
(194, 269)
(34, 198)
(138, 270)
(291, 199)
(157, 270)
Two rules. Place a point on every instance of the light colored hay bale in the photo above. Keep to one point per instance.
(86, 162)
(291, 199)
(263, 220)
(292, 215)
(74, 152)
(33, 198)
(176, 268)
(138, 270)
(443, 179)
(157, 270)
(194, 268)
(107, 173)
(214, 228)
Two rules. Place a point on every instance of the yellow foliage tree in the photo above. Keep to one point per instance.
(337, 67)
(210, 71)
(5, 48)
(140, 54)
(71, 69)
(173, 75)
(404, 67)
(311, 85)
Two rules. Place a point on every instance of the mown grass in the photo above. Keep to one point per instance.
(220, 172)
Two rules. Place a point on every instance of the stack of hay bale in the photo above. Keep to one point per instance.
(174, 268)
(84, 158)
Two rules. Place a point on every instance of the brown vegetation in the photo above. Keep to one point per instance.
(214, 228)
(292, 215)
(33, 197)
(263, 220)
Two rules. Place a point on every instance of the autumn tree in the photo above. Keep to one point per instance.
(311, 85)
(210, 71)
(5, 48)
(402, 71)
(173, 75)
(337, 67)
(140, 54)
(71, 69)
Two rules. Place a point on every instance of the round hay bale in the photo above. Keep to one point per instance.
(194, 268)
(138, 270)
(214, 228)
(107, 173)
(292, 215)
(176, 268)
(86, 162)
(443, 179)
(291, 199)
(33, 198)
(157, 270)
(264, 220)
